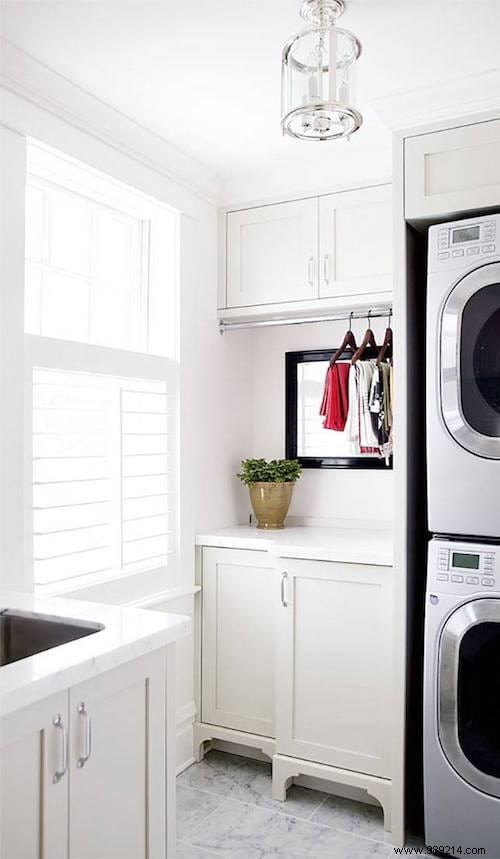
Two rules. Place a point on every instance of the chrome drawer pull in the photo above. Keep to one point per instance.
(87, 737)
(58, 723)
(284, 601)
(310, 271)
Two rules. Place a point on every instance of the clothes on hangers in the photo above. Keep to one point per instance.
(368, 438)
(369, 420)
(335, 402)
(381, 407)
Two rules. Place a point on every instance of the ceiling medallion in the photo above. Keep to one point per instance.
(317, 74)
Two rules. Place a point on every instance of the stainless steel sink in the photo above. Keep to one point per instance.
(24, 633)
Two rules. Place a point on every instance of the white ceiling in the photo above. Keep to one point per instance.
(205, 74)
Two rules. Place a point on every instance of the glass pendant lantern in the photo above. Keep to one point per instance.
(318, 76)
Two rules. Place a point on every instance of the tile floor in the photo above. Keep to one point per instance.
(224, 808)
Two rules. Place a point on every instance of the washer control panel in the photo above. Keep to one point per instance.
(458, 566)
(463, 244)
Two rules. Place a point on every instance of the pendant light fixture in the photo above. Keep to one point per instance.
(318, 76)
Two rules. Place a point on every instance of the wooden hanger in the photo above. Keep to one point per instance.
(387, 344)
(349, 342)
(368, 341)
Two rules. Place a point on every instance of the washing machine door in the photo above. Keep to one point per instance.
(469, 693)
(470, 362)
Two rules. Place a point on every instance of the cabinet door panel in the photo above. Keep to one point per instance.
(117, 801)
(334, 665)
(356, 242)
(33, 808)
(239, 600)
(451, 171)
(272, 254)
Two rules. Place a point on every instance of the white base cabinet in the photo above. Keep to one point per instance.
(333, 666)
(82, 773)
(33, 781)
(297, 661)
(239, 598)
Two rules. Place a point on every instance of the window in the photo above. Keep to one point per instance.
(100, 258)
(100, 298)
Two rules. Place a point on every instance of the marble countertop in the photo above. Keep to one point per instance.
(355, 543)
(128, 634)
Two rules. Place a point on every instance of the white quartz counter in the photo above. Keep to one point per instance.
(352, 543)
(128, 634)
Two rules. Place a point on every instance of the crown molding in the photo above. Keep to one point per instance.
(29, 79)
(460, 97)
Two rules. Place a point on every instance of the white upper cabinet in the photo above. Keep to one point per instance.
(356, 242)
(272, 254)
(308, 255)
(453, 171)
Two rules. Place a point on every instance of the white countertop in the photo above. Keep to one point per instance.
(128, 634)
(349, 543)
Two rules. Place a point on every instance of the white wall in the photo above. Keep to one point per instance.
(320, 493)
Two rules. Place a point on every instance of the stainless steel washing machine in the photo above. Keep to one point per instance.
(463, 378)
(462, 699)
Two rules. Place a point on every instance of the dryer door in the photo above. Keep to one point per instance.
(469, 693)
(470, 362)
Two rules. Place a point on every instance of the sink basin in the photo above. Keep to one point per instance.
(24, 633)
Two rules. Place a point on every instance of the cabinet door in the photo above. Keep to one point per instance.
(272, 254)
(448, 172)
(117, 763)
(356, 242)
(34, 781)
(334, 665)
(239, 604)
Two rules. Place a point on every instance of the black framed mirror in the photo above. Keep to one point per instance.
(305, 437)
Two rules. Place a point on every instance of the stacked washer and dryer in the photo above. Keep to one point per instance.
(462, 609)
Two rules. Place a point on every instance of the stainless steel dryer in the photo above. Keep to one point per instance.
(463, 377)
(462, 699)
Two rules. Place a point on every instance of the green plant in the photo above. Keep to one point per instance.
(274, 471)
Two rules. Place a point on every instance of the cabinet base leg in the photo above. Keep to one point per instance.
(285, 769)
(284, 773)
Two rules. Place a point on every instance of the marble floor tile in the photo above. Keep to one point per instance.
(193, 806)
(188, 851)
(240, 831)
(354, 817)
(248, 781)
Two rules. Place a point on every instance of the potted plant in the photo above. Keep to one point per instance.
(270, 485)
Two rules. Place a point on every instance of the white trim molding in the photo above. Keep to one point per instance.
(460, 97)
(24, 76)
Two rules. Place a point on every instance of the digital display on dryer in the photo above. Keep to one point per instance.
(465, 234)
(465, 562)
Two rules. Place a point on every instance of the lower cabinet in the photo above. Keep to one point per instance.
(117, 763)
(297, 661)
(239, 603)
(34, 781)
(333, 666)
(82, 773)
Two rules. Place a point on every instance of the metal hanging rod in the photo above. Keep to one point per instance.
(306, 320)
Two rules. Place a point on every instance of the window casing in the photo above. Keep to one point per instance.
(101, 378)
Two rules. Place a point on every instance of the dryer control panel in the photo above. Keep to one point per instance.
(464, 244)
(460, 567)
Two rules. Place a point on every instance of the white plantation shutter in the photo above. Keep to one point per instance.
(101, 476)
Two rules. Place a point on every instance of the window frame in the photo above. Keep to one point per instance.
(42, 351)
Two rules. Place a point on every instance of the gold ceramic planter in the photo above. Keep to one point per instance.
(270, 502)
